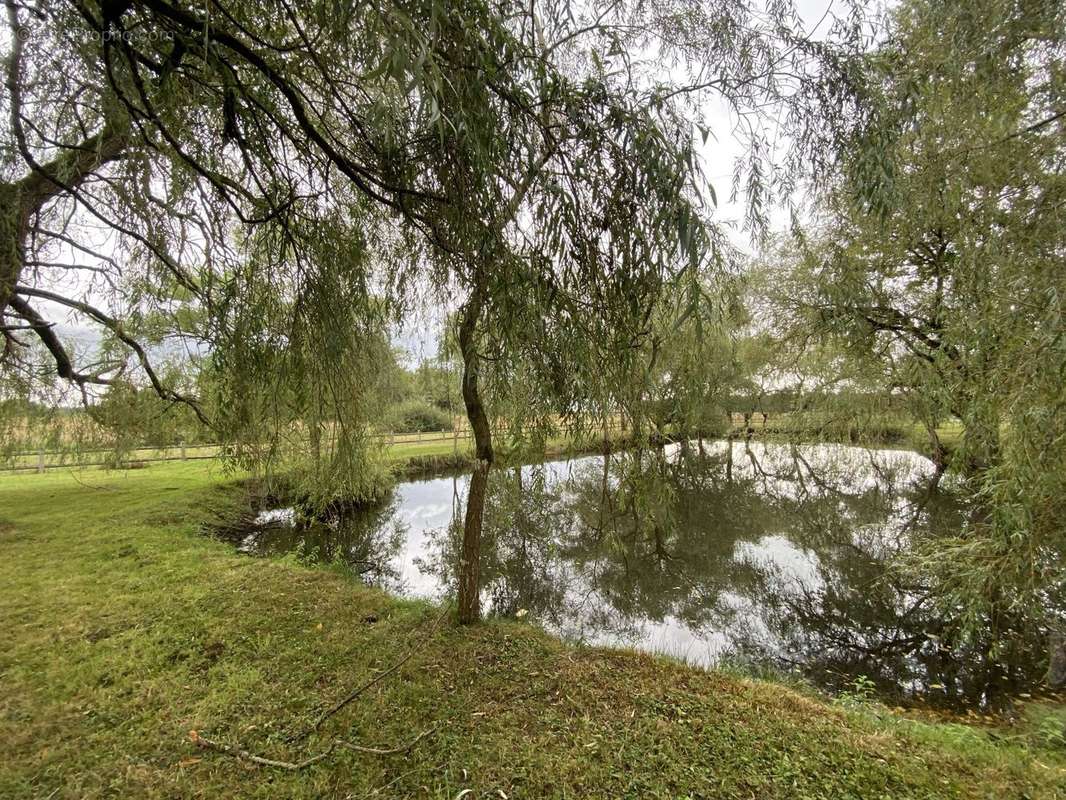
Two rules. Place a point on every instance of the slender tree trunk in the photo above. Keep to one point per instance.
(981, 440)
(938, 453)
(469, 599)
(1056, 673)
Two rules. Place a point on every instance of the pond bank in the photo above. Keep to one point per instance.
(125, 630)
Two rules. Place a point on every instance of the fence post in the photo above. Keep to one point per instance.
(183, 456)
(40, 459)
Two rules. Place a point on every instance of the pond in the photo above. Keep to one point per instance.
(771, 556)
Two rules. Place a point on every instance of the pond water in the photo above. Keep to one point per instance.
(768, 555)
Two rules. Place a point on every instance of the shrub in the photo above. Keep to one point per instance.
(417, 416)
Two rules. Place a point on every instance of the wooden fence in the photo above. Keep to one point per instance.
(41, 460)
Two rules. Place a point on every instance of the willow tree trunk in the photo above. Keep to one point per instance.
(1056, 673)
(469, 599)
(981, 440)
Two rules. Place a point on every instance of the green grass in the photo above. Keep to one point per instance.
(409, 450)
(123, 628)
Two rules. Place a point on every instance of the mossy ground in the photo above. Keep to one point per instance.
(124, 628)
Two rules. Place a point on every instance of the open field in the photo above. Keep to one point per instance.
(435, 442)
(125, 629)
(399, 446)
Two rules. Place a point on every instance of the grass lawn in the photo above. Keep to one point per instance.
(123, 629)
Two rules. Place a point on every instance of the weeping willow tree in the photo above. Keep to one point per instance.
(937, 279)
(281, 181)
(299, 369)
(579, 233)
(177, 185)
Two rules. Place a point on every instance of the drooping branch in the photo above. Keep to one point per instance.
(77, 162)
(44, 330)
(25, 198)
(364, 178)
(116, 327)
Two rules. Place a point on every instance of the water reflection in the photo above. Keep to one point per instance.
(769, 554)
(371, 547)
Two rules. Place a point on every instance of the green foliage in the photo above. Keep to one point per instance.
(437, 384)
(417, 416)
(138, 416)
(301, 366)
(936, 280)
(861, 691)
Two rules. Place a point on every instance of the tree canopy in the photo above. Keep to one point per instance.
(936, 274)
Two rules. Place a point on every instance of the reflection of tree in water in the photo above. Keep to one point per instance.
(638, 544)
(861, 617)
(367, 540)
(784, 550)
(520, 568)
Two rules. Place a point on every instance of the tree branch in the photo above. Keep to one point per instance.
(115, 326)
(43, 329)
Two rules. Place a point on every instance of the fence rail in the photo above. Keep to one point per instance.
(38, 461)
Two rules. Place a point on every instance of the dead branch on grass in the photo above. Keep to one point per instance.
(295, 766)
(325, 715)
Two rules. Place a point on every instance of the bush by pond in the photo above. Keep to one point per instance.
(417, 416)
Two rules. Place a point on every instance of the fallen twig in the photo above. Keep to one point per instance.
(236, 752)
(376, 679)
(294, 766)
(386, 751)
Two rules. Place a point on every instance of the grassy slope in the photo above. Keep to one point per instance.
(123, 629)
